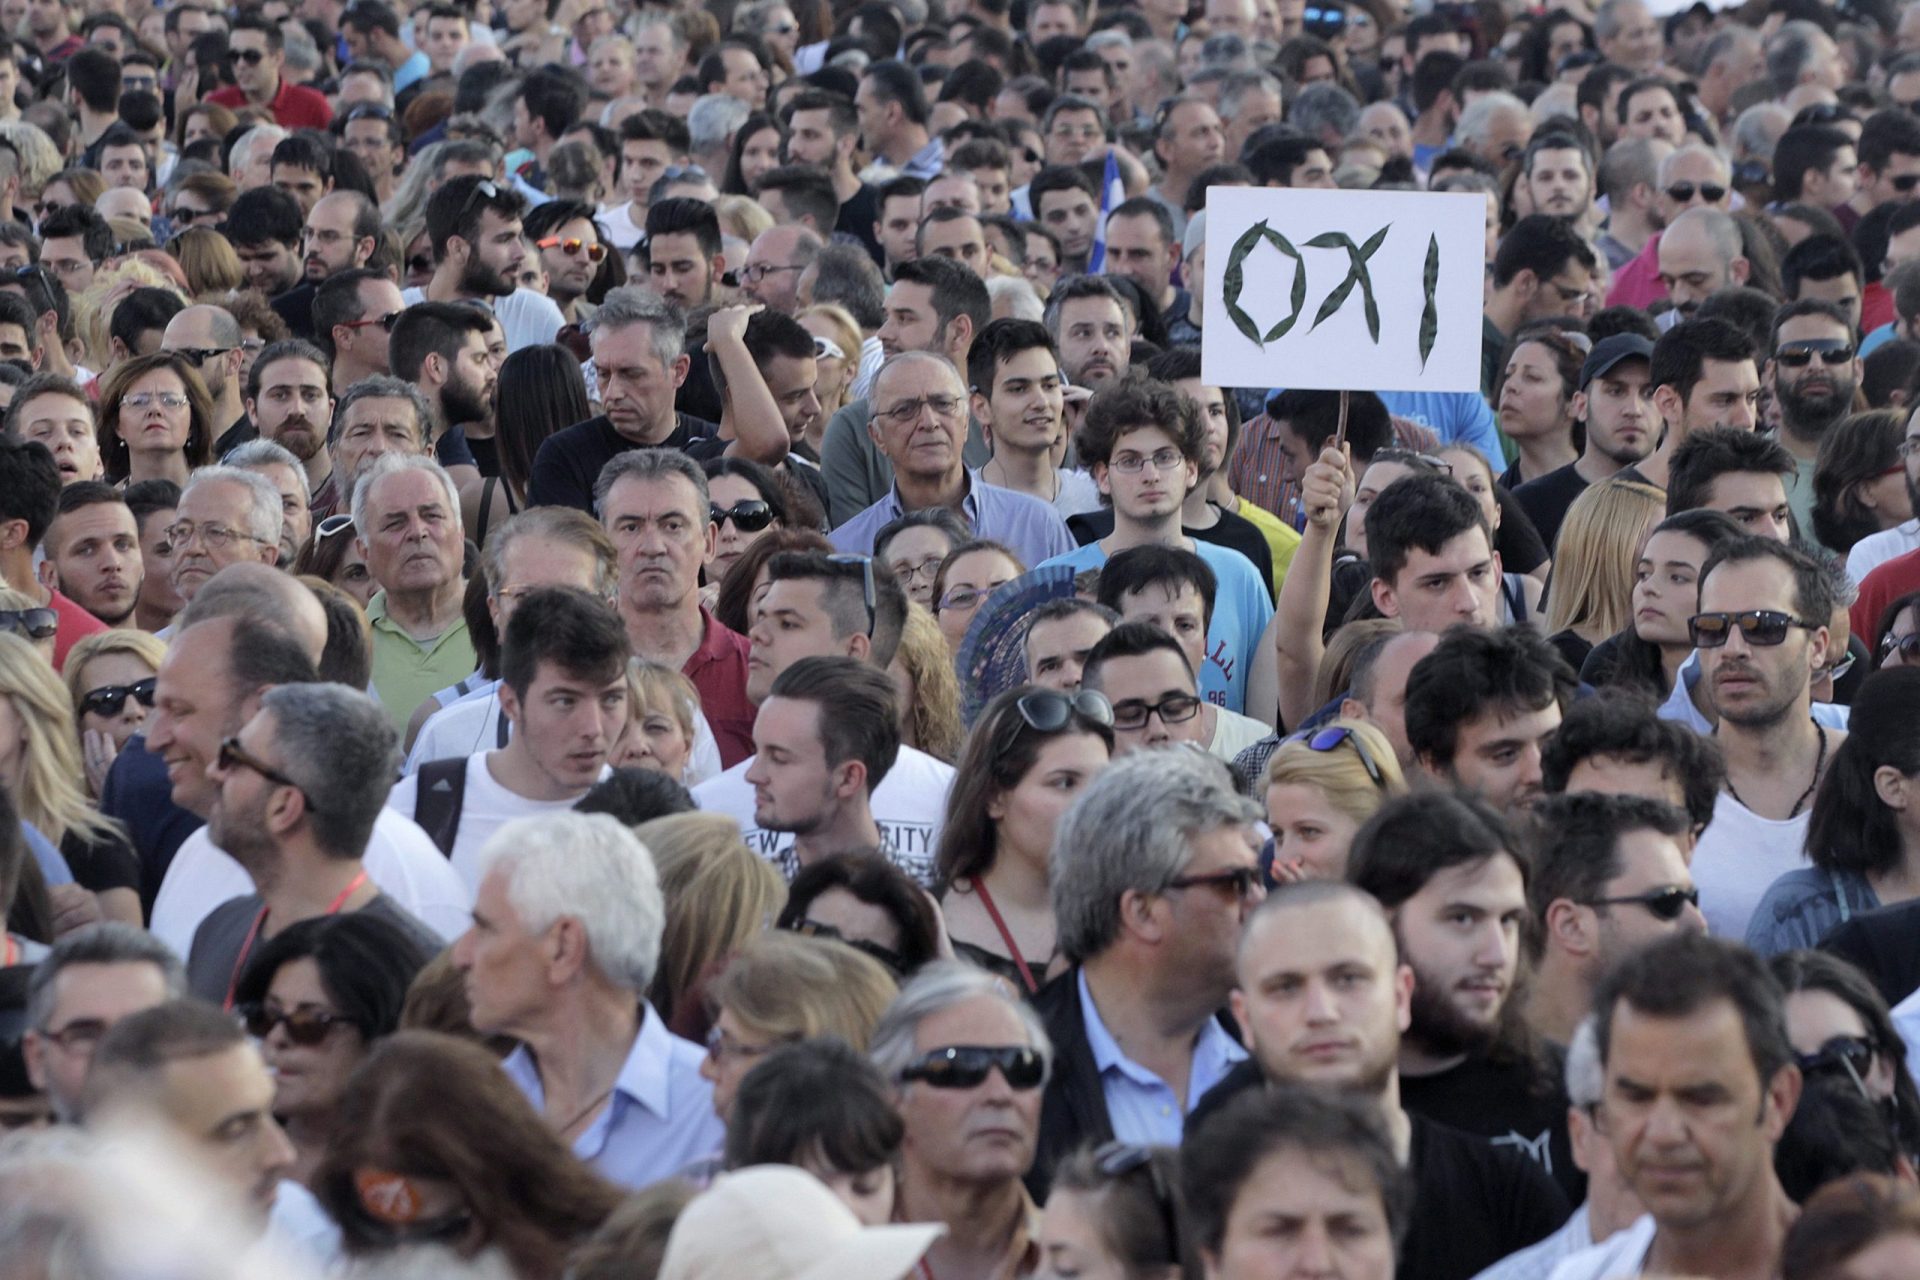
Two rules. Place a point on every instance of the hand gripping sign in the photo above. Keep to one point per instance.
(1344, 290)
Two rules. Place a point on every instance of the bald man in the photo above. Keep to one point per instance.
(1699, 255)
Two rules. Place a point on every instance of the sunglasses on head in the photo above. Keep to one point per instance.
(816, 929)
(1050, 711)
(369, 111)
(332, 525)
(1332, 738)
(34, 624)
(109, 699)
(1832, 352)
(1682, 192)
(1662, 904)
(1761, 627)
(750, 516)
(967, 1066)
(305, 1027)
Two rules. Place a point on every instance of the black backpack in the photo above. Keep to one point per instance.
(440, 789)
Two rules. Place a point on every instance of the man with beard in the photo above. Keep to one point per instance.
(1628, 173)
(1761, 634)
(296, 793)
(1615, 399)
(1480, 709)
(290, 404)
(264, 225)
(1323, 1001)
(478, 249)
(93, 551)
(1453, 880)
(210, 339)
(570, 252)
(1559, 176)
(1813, 369)
(354, 312)
(441, 348)
(341, 233)
(1609, 877)
(682, 245)
(1703, 376)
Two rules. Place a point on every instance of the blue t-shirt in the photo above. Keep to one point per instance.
(1242, 608)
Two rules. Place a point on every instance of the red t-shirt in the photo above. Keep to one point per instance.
(1880, 588)
(294, 107)
(76, 624)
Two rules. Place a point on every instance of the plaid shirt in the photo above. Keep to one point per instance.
(1258, 470)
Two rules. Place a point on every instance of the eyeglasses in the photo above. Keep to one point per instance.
(386, 321)
(572, 247)
(218, 536)
(1907, 646)
(1665, 903)
(1132, 464)
(1834, 670)
(1331, 739)
(420, 263)
(866, 582)
(198, 355)
(816, 929)
(722, 1047)
(1761, 627)
(966, 1066)
(252, 57)
(1682, 192)
(1418, 461)
(748, 517)
(908, 411)
(165, 399)
(928, 569)
(965, 597)
(332, 525)
(305, 1027)
(1243, 882)
(1832, 352)
(1852, 1055)
(34, 624)
(1118, 1159)
(78, 1035)
(1050, 711)
(761, 270)
(185, 217)
(109, 699)
(1175, 708)
(233, 755)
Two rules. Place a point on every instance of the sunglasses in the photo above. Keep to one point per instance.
(252, 57)
(1050, 711)
(386, 321)
(369, 111)
(1243, 882)
(234, 756)
(332, 525)
(1662, 904)
(34, 624)
(748, 517)
(1761, 627)
(305, 1027)
(866, 582)
(1711, 192)
(1852, 1055)
(109, 699)
(1834, 670)
(572, 247)
(1908, 647)
(1832, 353)
(420, 263)
(815, 929)
(1332, 739)
(967, 1066)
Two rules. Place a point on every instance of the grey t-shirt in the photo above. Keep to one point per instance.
(214, 963)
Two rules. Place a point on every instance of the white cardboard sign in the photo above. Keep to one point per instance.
(1344, 290)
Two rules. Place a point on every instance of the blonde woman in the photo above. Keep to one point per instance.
(742, 218)
(922, 671)
(1321, 786)
(40, 768)
(780, 988)
(38, 624)
(110, 677)
(1593, 567)
(720, 895)
(836, 364)
(665, 730)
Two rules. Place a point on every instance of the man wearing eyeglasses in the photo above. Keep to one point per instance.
(1153, 875)
(92, 978)
(1609, 877)
(226, 516)
(259, 53)
(1762, 634)
(1542, 269)
(1148, 678)
(1813, 371)
(774, 263)
(373, 135)
(341, 232)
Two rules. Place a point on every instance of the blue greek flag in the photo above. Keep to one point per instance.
(1112, 193)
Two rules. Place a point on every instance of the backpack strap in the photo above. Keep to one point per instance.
(440, 790)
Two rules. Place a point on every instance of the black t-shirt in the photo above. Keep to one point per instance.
(569, 461)
(1518, 542)
(1885, 945)
(452, 449)
(486, 455)
(295, 306)
(858, 213)
(235, 436)
(1546, 500)
(1473, 1202)
(1572, 647)
(1230, 530)
(1513, 1104)
(101, 862)
(215, 960)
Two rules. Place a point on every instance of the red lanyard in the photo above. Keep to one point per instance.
(1006, 936)
(253, 932)
(12, 953)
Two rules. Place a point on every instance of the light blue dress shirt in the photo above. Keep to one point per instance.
(1030, 528)
(1142, 1108)
(660, 1119)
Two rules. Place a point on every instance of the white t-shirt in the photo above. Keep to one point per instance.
(1234, 733)
(484, 809)
(528, 318)
(909, 806)
(399, 858)
(1876, 549)
(473, 724)
(1739, 855)
(617, 221)
(1078, 493)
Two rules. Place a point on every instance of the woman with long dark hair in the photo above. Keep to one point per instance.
(540, 391)
(1031, 753)
(1863, 839)
(756, 151)
(1839, 1024)
(1649, 653)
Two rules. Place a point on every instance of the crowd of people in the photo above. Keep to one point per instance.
(632, 644)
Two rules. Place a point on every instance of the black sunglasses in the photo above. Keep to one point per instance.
(816, 929)
(1832, 352)
(1762, 627)
(34, 624)
(1851, 1055)
(200, 355)
(1711, 192)
(108, 699)
(234, 756)
(1242, 881)
(306, 1027)
(750, 516)
(866, 582)
(1908, 647)
(1665, 903)
(967, 1066)
(1050, 711)
(252, 57)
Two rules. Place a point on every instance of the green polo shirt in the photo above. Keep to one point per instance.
(406, 672)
